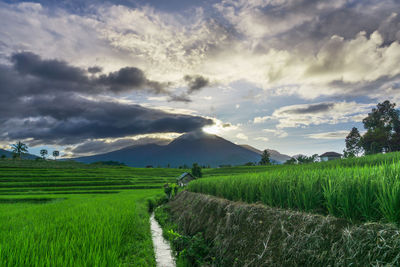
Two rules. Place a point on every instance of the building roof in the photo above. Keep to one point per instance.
(331, 154)
(183, 175)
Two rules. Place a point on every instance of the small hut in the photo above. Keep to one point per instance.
(184, 179)
(330, 156)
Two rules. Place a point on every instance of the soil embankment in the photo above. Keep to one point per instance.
(257, 235)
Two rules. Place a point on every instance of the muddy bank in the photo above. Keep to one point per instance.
(257, 235)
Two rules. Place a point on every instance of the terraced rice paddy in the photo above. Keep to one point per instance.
(69, 214)
(28, 181)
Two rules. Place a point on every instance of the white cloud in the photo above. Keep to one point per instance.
(261, 119)
(242, 136)
(265, 139)
(277, 132)
(158, 98)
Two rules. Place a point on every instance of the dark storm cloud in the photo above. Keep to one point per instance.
(54, 75)
(51, 109)
(69, 119)
(312, 108)
(179, 98)
(95, 69)
(195, 83)
(29, 63)
(129, 77)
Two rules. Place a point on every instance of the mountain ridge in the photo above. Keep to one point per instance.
(204, 149)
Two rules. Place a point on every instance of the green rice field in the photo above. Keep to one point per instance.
(61, 213)
(361, 189)
(71, 214)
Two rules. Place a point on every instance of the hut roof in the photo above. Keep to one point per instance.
(183, 175)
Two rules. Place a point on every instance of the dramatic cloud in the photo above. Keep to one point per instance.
(284, 47)
(320, 113)
(51, 102)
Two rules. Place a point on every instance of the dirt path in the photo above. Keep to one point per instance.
(162, 249)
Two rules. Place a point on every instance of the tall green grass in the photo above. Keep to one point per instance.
(95, 230)
(365, 189)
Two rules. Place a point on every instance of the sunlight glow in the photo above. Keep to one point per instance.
(213, 129)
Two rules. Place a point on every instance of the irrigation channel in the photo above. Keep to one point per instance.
(162, 249)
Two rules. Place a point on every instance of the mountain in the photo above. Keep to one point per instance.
(275, 155)
(9, 154)
(204, 149)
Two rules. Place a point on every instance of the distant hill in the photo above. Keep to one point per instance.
(9, 154)
(205, 149)
(275, 155)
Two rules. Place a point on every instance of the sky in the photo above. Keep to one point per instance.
(88, 77)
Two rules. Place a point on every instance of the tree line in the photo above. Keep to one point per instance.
(382, 134)
(20, 148)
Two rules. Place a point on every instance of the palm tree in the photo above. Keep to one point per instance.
(19, 148)
(43, 153)
(56, 153)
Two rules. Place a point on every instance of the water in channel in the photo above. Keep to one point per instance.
(162, 248)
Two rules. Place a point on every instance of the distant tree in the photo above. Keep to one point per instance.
(265, 158)
(249, 164)
(19, 148)
(185, 166)
(168, 165)
(291, 161)
(353, 144)
(196, 170)
(383, 129)
(171, 190)
(3, 156)
(304, 159)
(43, 153)
(314, 158)
(56, 153)
(168, 190)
